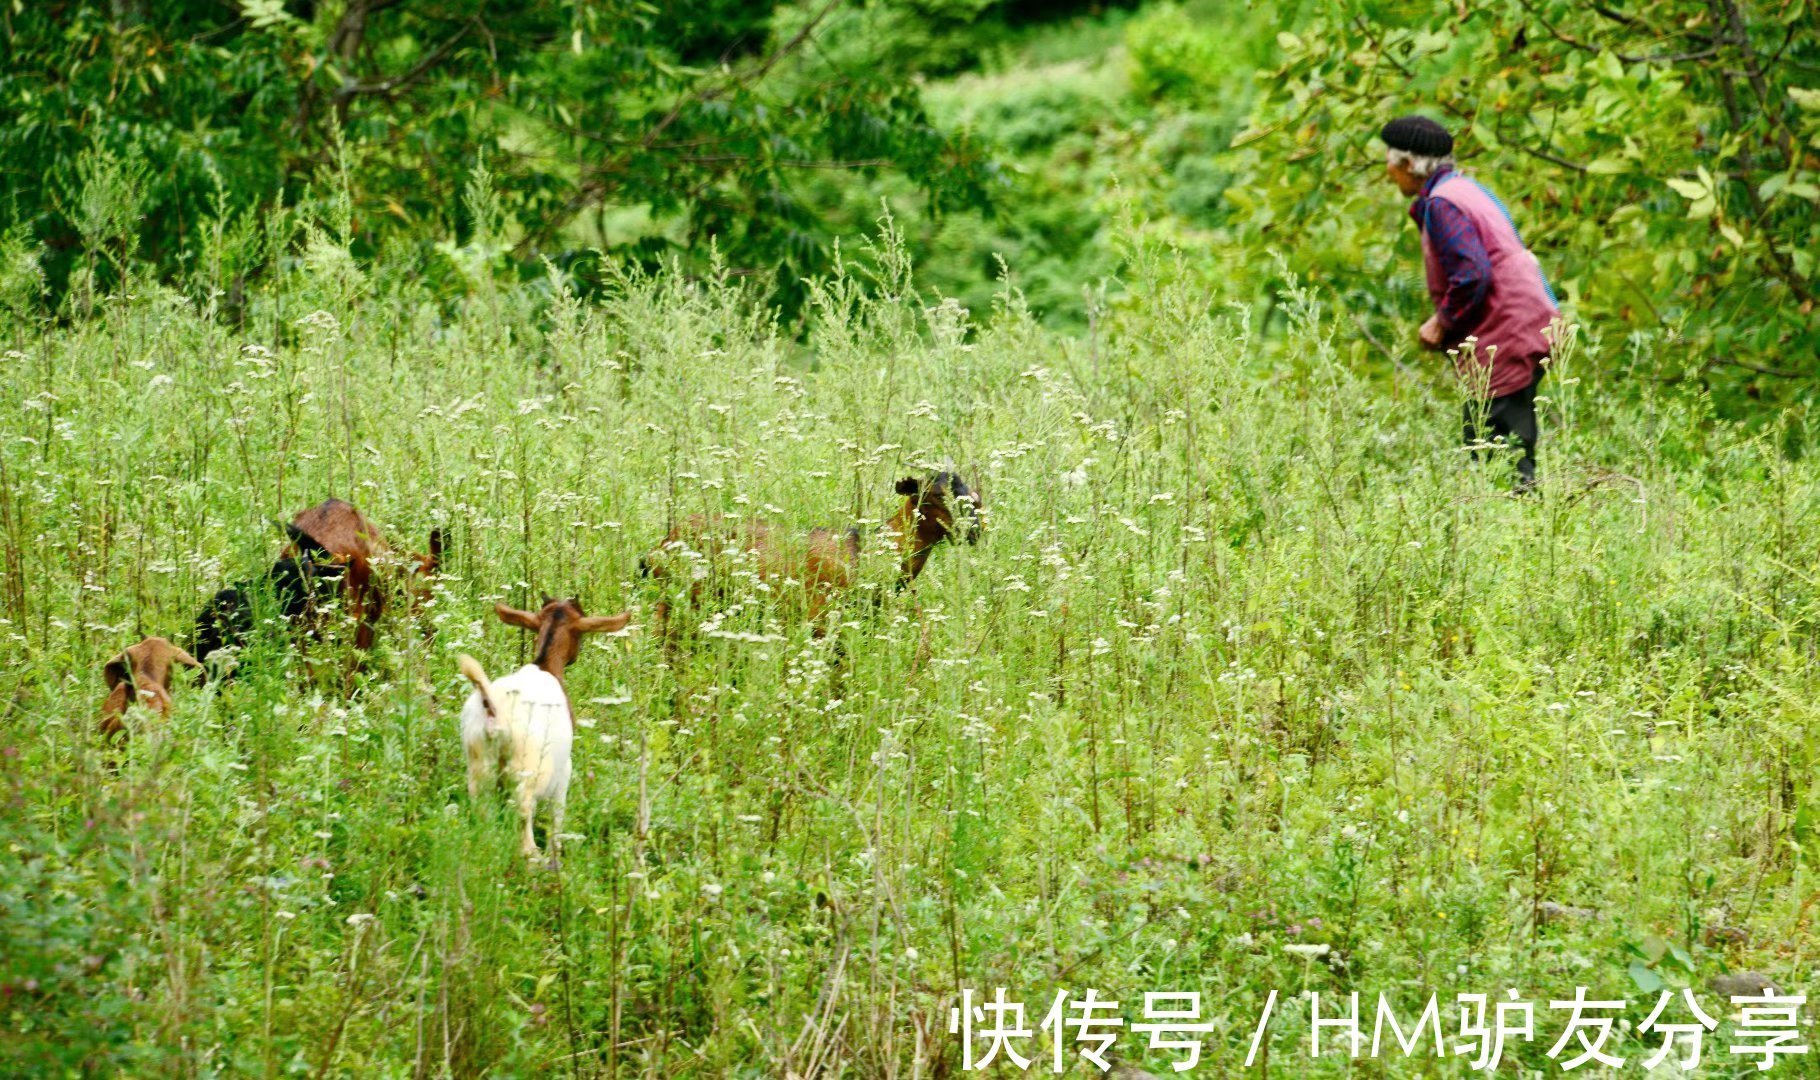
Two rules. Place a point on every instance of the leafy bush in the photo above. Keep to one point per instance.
(1171, 56)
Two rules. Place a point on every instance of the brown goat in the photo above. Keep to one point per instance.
(336, 529)
(140, 674)
(825, 561)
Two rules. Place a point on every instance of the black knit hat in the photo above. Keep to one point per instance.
(1417, 135)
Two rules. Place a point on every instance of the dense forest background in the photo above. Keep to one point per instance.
(1661, 156)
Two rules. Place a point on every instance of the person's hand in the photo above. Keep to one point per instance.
(1431, 332)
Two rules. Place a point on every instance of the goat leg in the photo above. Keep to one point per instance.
(475, 769)
(527, 812)
(557, 805)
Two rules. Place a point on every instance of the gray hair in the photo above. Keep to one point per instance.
(1420, 165)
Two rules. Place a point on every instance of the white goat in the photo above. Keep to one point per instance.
(522, 726)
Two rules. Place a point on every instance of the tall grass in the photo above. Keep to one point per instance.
(1247, 658)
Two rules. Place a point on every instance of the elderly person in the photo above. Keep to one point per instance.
(1484, 283)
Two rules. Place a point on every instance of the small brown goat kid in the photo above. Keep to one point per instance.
(140, 674)
(825, 561)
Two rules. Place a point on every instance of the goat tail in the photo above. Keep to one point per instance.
(477, 675)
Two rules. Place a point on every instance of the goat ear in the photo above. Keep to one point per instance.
(547, 600)
(184, 658)
(908, 486)
(524, 620)
(117, 671)
(604, 624)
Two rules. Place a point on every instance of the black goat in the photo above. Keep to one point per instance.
(295, 585)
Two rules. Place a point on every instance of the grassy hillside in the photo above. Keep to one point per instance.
(1110, 129)
(1248, 660)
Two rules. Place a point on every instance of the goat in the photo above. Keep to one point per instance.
(333, 548)
(338, 532)
(825, 561)
(295, 584)
(142, 675)
(522, 725)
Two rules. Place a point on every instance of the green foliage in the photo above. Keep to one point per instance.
(21, 273)
(162, 119)
(1085, 157)
(710, 31)
(1658, 159)
(936, 37)
(1166, 137)
(1250, 656)
(1172, 56)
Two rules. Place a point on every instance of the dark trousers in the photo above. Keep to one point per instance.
(1512, 416)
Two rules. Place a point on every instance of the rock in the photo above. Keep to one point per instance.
(1551, 912)
(1741, 984)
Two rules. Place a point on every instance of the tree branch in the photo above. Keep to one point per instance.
(706, 94)
(1384, 53)
(594, 185)
(1637, 24)
(1584, 46)
(1617, 17)
(1365, 332)
(1780, 373)
(417, 71)
(1550, 158)
(1726, 11)
(782, 163)
(1753, 72)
